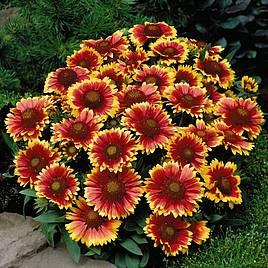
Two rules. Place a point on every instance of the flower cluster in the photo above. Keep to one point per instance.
(121, 99)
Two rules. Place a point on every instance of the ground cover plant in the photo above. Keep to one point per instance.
(132, 145)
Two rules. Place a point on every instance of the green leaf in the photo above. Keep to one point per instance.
(93, 250)
(257, 79)
(49, 229)
(8, 175)
(28, 192)
(119, 260)
(132, 261)
(204, 51)
(200, 28)
(10, 143)
(235, 46)
(222, 42)
(72, 247)
(49, 217)
(215, 217)
(145, 257)
(131, 226)
(251, 54)
(230, 23)
(131, 246)
(139, 239)
(25, 201)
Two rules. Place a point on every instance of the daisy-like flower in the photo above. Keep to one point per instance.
(28, 119)
(173, 190)
(209, 135)
(212, 92)
(29, 162)
(236, 142)
(87, 58)
(88, 227)
(114, 195)
(69, 150)
(221, 183)
(159, 76)
(141, 33)
(60, 80)
(170, 51)
(95, 94)
(216, 71)
(151, 123)
(241, 115)
(132, 60)
(187, 148)
(249, 84)
(79, 131)
(200, 231)
(170, 232)
(184, 98)
(57, 184)
(186, 74)
(113, 45)
(113, 149)
(136, 94)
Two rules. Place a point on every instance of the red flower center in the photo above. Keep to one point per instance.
(78, 131)
(152, 79)
(168, 232)
(114, 190)
(67, 77)
(212, 67)
(169, 51)
(224, 185)
(112, 151)
(37, 163)
(188, 154)
(93, 219)
(72, 150)
(150, 127)
(93, 99)
(188, 100)
(173, 189)
(84, 63)
(134, 96)
(240, 116)
(183, 77)
(153, 30)
(103, 46)
(57, 187)
(200, 43)
(30, 118)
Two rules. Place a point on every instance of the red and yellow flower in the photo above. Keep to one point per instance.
(221, 183)
(249, 84)
(161, 77)
(241, 115)
(212, 92)
(114, 195)
(57, 184)
(186, 74)
(69, 150)
(170, 51)
(236, 142)
(111, 46)
(141, 33)
(209, 135)
(87, 58)
(200, 231)
(136, 94)
(29, 162)
(172, 189)
(216, 71)
(184, 98)
(151, 123)
(113, 149)
(187, 148)
(28, 119)
(88, 227)
(60, 80)
(170, 232)
(95, 94)
(79, 131)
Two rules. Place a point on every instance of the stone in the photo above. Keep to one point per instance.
(19, 238)
(5, 14)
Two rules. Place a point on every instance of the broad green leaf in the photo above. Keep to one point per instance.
(200, 28)
(131, 246)
(49, 229)
(215, 217)
(10, 143)
(139, 239)
(28, 192)
(132, 261)
(131, 226)
(235, 46)
(145, 257)
(27, 198)
(93, 251)
(8, 175)
(222, 42)
(72, 247)
(120, 260)
(50, 217)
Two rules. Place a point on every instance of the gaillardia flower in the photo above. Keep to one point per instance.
(89, 227)
(29, 162)
(79, 131)
(184, 98)
(94, 94)
(170, 232)
(141, 33)
(221, 183)
(236, 142)
(28, 119)
(136, 94)
(187, 148)
(200, 231)
(249, 84)
(69, 150)
(186, 74)
(87, 58)
(216, 71)
(58, 184)
(114, 195)
(151, 123)
(172, 189)
(113, 149)
(241, 115)
(60, 80)
(161, 77)
(111, 46)
(170, 51)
